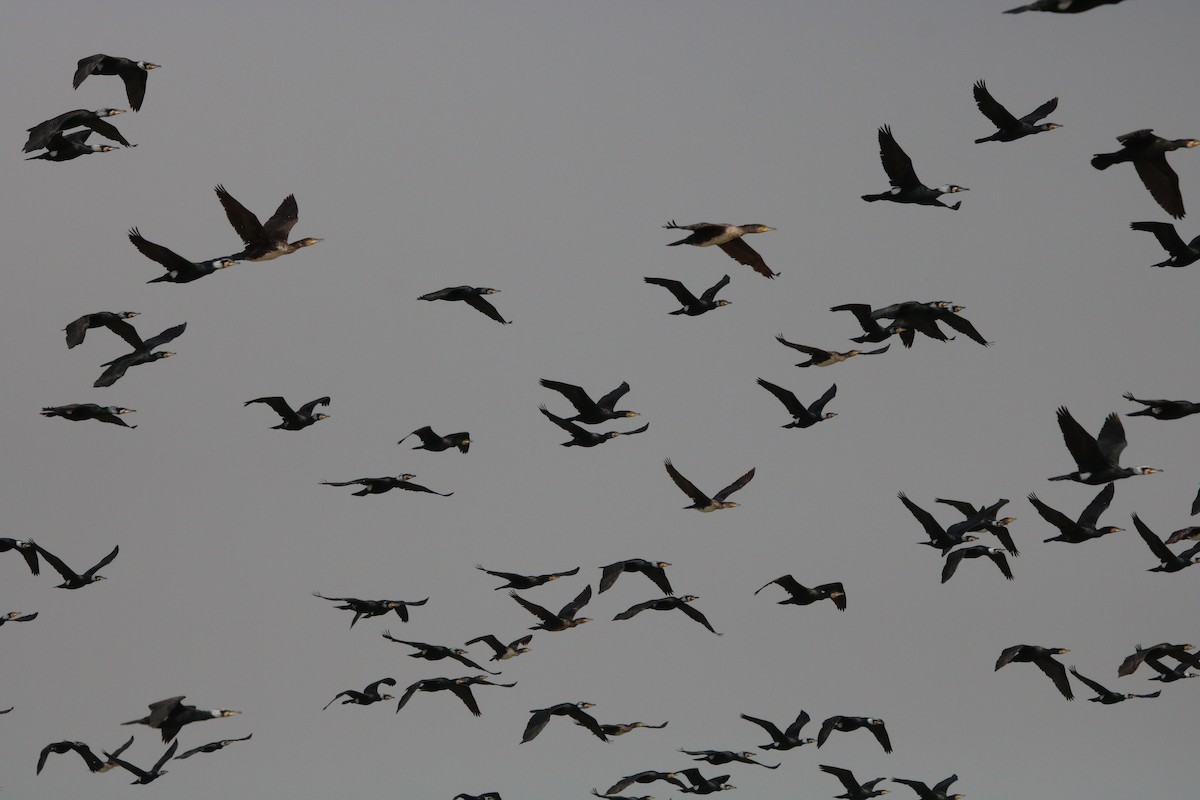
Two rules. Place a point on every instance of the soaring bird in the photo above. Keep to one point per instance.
(94, 764)
(646, 776)
(150, 775)
(27, 549)
(296, 420)
(178, 269)
(81, 411)
(1010, 127)
(906, 186)
(654, 570)
(719, 757)
(1180, 652)
(435, 444)
(133, 73)
(939, 537)
(1149, 156)
(1163, 409)
(1097, 458)
(839, 723)
(802, 417)
(72, 579)
(955, 557)
(576, 711)
(69, 146)
(263, 240)
(1171, 562)
(385, 484)
(701, 501)
(1084, 528)
(582, 437)
(459, 687)
(854, 789)
(17, 616)
(143, 353)
(1107, 696)
(825, 358)
(982, 518)
(1181, 254)
(501, 651)
(622, 728)
(113, 320)
(1043, 657)
(938, 792)
(437, 652)
(703, 785)
(561, 621)
(783, 739)
(668, 604)
(212, 747)
(522, 582)
(472, 296)
(172, 714)
(41, 134)
(591, 412)
(728, 238)
(800, 595)
(872, 331)
(1062, 6)
(373, 608)
(692, 306)
(370, 694)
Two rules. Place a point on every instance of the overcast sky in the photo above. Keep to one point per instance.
(537, 148)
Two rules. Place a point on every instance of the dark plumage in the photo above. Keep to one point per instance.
(69, 146)
(582, 437)
(654, 570)
(212, 747)
(924, 317)
(1180, 652)
(1107, 696)
(143, 353)
(982, 518)
(437, 652)
(939, 537)
(703, 785)
(955, 557)
(1191, 532)
(459, 687)
(906, 186)
(81, 411)
(1163, 409)
(172, 714)
(369, 695)
(501, 651)
(872, 330)
(1171, 562)
(133, 73)
(1010, 127)
(591, 412)
(484, 796)
(719, 757)
(576, 711)
(728, 238)
(94, 764)
(825, 358)
(1043, 657)
(668, 604)
(385, 484)
(27, 549)
(854, 790)
(1062, 6)
(263, 240)
(472, 296)
(785, 739)
(1083, 529)
(1097, 458)
(1182, 254)
(41, 134)
(432, 442)
(17, 616)
(373, 608)
(296, 420)
(701, 501)
(622, 728)
(113, 320)
(693, 306)
(839, 723)
(517, 581)
(1149, 156)
(561, 621)
(179, 269)
(646, 776)
(938, 792)
(146, 776)
(803, 596)
(802, 417)
(72, 579)
(1170, 674)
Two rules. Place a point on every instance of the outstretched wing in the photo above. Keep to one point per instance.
(676, 288)
(998, 114)
(896, 163)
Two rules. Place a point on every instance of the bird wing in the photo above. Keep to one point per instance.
(1091, 514)
(581, 600)
(169, 259)
(416, 487)
(952, 562)
(963, 507)
(1057, 673)
(1112, 439)
(1041, 111)
(278, 404)
(67, 573)
(659, 576)
(480, 303)
(1095, 687)
(1162, 182)
(46, 751)
(998, 114)
(30, 554)
(463, 692)
(586, 720)
(839, 599)
(533, 608)
(609, 575)
(789, 400)
(86, 67)
(126, 331)
(1001, 562)
(1080, 443)
(739, 251)
(676, 288)
(568, 426)
(688, 488)
(536, 723)
(820, 354)
(881, 735)
(490, 640)
(1166, 234)
(115, 371)
(963, 326)
(918, 787)
(103, 562)
(826, 729)
(787, 582)
(107, 130)
(769, 727)
(936, 533)
(576, 395)
(609, 400)
(166, 336)
(896, 163)
(710, 293)
(843, 775)
(695, 614)
(733, 487)
(797, 725)
(943, 785)
(165, 757)
(408, 693)
(426, 435)
(1056, 517)
(1005, 537)
(283, 220)
(135, 86)
(373, 688)
(1156, 545)
(819, 406)
(308, 408)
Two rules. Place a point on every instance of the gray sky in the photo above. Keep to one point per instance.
(537, 148)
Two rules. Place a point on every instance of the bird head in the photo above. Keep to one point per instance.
(1145, 470)
(146, 65)
(109, 112)
(222, 263)
(1110, 529)
(320, 417)
(307, 242)
(407, 476)
(225, 712)
(951, 188)
(756, 228)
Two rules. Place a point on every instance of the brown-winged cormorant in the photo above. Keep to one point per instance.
(1043, 657)
(113, 320)
(703, 785)
(645, 776)
(728, 238)
(802, 595)
(517, 581)
(263, 240)
(654, 570)
(591, 412)
(1062, 6)
(143, 353)
(906, 186)
(172, 714)
(72, 579)
(385, 484)
(17, 616)
(1182, 254)
(1149, 156)
(801, 417)
(825, 358)
(27, 549)
(41, 134)
(373, 608)
(133, 73)
(938, 792)
(1171, 562)
(719, 757)
(955, 557)
(1191, 532)
(1083, 529)
(1107, 696)
(939, 537)
(576, 711)
(296, 420)
(1180, 652)
(839, 723)
(370, 694)
(436, 652)
(683, 603)
(146, 776)
(178, 269)
(435, 444)
(212, 747)
(1097, 458)
(501, 651)
(582, 437)
(69, 146)
(81, 411)
(701, 501)
(561, 621)
(854, 789)
(785, 739)
(1163, 409)
(692, 306)
(1010, 127)
(472, 296)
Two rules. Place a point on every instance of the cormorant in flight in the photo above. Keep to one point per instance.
(133, 73)
(728, 238)
(906, 186)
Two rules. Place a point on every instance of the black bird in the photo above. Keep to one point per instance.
(516, 581)
(1180, 652)
(914, 316)
(872, 331)
(27, 549)
(668, 604)
(1149, 156)
(178, 269)
(1084, 528)
(432, 442)
(785, 739)
(41, 134)
(693, 306)
(803, 596)
(1062, 6)
(801, 417)
(1171, 562)
(703, 785)
(17, 616)
(1170, 674)
(459, 687)
(370, 694)
(982, 518)
(622, 728)
(576, 711)
(143, 353)
(133, 73)
(1163, 409)
(94, 764)
(1097, 458)
(582, 437)
(484, 796)
(728, 238)
(825, 358)
(646, 776)
(854, 790)
(1043, 657)
(1190, 532)
(938, 792)
(838, 723)
(501, 651)
(373, 608)
(1010, 127)
(385, 484)
(654, 570)
(1181, 254)
(296, 420)
(591, 412)
(263, 240)
(171, 714)
(436, 652)
(146, 776)
(719, 757)
(212, 747)
(81, 411)
(701, 501)
(1107, 696)
(69, 146)
(939, 537)
(561, 621)
(472, 296)
(72, 579)
(955, 557)
(113, 320)
(906, 186)
(596, 792)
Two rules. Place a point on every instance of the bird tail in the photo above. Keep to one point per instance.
(989, 138)
(871, 198)
(1019, 10)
